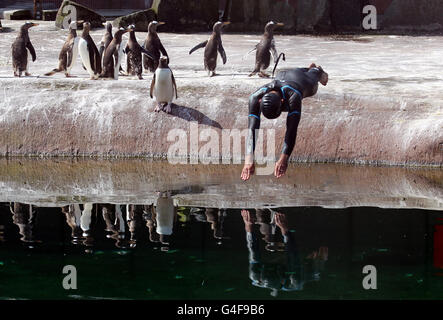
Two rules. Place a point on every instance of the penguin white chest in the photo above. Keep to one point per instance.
(163, 88)
(84, 55)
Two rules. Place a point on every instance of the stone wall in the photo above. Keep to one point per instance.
(304, 15)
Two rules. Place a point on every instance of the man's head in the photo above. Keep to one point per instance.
(324, 77)
(271, 105)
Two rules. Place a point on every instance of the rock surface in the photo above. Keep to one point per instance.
(83, 13)
(383, 105)
(140, 19)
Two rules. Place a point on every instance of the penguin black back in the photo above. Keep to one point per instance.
(134, 55)
(20, 48)
(212, 46)
(264, 48)
(110, 53)
(154, 46)
(94, 54)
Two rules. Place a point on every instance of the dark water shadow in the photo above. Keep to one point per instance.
(6, 30)
(190, 114)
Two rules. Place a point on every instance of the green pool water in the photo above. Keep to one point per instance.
(202, 260)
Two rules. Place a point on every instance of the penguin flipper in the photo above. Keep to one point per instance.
(222, 53)
(152, 87)
(146, 52)
(101, 49)
(174, 84)
(273, 51)
(70, 52)
(91, 57)
(200, 45)
(163, 50)
(31, 49)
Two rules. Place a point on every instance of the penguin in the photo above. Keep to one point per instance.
(134, 52)
(20, 48)
(163, 86)
(264, 49)
(113, 55)
(106, 40)
(89, 53)
(154, 46)
(68, 53)
(212, 45)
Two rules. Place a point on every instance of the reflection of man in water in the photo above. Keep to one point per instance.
(297, 271)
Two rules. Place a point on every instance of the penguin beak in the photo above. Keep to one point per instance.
(280, 24)
(161, 22)
(34, 24)
(226, 23)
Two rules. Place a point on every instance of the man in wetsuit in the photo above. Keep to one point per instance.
(285, 93)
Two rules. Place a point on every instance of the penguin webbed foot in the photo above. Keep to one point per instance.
(168, 108)
(262, 74)
(212, 74)
(158, 108)
(27, 74)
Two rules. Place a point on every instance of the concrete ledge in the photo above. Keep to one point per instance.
(383, 105)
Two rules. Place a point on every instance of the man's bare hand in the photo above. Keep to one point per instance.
(248, 171)
(281, 166)
(281, 222)
(249, 219)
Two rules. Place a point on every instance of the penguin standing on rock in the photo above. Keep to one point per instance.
(264, 49)
(106, 40)
(163, 86)
(69, 52)
(20, 48)
(212, 46)
(134, 53)
(114, 54)
(89, 53)
(154, 46)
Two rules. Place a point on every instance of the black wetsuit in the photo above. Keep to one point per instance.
(294, 85)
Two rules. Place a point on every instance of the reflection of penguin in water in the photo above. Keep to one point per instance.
(89, 53)
(212, 45)
(106, 40)
(68, 54)
(163, 86)
(264, 49)
(154, 46)
(20, 48)
(134, 56)
(114, 54)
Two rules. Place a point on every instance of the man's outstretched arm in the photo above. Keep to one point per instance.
(253, 125)
(292, 122)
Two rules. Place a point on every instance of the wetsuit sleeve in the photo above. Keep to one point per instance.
(254, 118)
(292, 121)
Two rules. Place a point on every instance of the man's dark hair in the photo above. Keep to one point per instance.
(271, 105)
